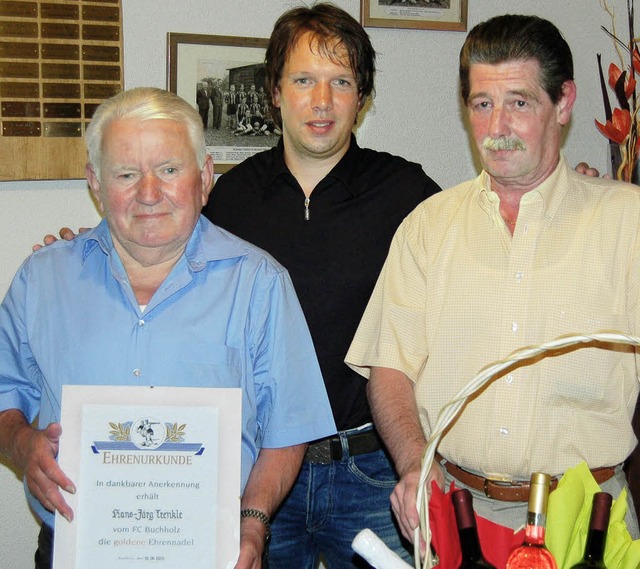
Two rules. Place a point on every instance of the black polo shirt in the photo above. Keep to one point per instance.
(334, 254)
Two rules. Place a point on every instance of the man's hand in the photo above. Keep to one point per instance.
(252, 534)
(34, 452)
(584, 168)
(403, 501)
(65, 233)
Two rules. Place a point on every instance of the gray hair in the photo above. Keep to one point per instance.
(144, 103)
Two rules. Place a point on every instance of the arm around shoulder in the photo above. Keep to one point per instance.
(66, 233)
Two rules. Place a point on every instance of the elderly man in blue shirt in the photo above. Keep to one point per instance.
(157, 295)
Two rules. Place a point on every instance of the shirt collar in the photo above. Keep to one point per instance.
(278, 166)
(212, 243)
(99, 237)
(207, 243)
(345, 171)
(551, 191)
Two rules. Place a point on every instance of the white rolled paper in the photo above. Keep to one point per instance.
(376, 553)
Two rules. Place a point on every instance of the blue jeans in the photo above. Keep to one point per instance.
(328, 506)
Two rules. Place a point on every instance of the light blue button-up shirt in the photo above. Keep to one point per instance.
(226, 316)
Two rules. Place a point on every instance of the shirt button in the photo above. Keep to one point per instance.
(141, 322)
(137, 372)
(514, 326)
(509, 379)
(504, 432)
(518, 277)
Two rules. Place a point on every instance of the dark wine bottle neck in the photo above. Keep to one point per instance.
(469, 544)
(471, 551)
(594, 549)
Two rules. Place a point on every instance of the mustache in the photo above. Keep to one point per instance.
(503, 143)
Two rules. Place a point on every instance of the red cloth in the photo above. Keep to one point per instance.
(496, 541)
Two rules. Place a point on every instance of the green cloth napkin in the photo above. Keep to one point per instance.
(568, 516)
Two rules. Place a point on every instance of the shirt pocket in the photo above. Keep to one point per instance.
(204, 365)
(586, 375)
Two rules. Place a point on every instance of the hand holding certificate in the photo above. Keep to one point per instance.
(150, 490)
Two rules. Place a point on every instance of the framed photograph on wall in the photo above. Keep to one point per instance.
(417, 14)
(223, 77)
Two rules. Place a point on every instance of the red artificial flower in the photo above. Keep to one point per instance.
(618, 128)
(635, 59)
(615, 73)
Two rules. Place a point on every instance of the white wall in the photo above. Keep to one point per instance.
(416, 113)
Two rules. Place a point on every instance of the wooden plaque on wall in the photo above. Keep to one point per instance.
(58, 60)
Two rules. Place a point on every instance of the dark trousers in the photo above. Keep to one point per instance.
(44, 554)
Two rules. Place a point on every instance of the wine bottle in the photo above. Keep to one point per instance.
(472, 557)
(597, 536)
(374, 551)
(533, 554)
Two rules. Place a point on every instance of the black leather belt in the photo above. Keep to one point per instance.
(325, 451)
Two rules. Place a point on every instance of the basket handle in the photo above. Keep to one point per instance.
(451, 410)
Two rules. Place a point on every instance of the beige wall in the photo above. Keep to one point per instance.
(415, 113)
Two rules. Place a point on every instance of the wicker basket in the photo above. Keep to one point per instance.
(451, 410)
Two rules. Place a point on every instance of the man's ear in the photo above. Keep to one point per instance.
(206, 175)
(275, 97)
(94, 184)
(566, 102)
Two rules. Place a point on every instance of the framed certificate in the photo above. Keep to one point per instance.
(157, 472)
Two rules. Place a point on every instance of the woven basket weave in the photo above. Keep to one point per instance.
(451, 410)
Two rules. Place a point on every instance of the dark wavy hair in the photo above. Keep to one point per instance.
(515, 37)
(332, 28)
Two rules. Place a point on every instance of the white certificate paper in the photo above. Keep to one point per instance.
(157, 472)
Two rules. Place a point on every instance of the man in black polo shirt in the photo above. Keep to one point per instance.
(327, 210)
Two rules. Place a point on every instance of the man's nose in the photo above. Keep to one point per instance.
(499, 122)
(322, 98)
(149, 188)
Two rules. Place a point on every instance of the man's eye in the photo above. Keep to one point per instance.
(170, 170)
(481, 106)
